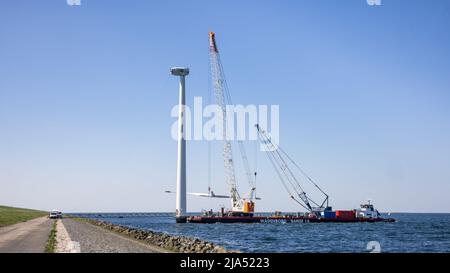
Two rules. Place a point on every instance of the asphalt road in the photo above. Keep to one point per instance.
(26, 237)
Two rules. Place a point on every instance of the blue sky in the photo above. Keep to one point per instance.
(85, 99)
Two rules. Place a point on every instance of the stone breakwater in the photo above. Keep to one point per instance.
(180, 244)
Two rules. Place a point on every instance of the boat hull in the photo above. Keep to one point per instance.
(271, 219)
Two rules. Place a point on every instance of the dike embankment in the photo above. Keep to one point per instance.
(180, 244)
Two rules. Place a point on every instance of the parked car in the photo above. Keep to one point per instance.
(55, 214)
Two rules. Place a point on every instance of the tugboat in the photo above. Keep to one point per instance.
(367, 211)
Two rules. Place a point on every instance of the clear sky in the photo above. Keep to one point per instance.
(85, 99)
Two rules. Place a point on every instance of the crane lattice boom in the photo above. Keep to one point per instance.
(280, 161)
(222, 96)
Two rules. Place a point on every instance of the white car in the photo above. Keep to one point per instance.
(55, 214)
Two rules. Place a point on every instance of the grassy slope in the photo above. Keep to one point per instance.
(11, 215)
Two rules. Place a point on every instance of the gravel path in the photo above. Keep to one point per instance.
(64, 243)
(93, 239)
(26, 237)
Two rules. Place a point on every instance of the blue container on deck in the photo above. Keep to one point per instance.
(329, 214)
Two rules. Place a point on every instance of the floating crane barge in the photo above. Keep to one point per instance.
(277, 219)
(367, 213)
(242, 208)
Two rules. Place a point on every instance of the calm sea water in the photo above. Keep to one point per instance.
(411, 233)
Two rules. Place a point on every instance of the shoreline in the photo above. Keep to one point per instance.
(178, 244)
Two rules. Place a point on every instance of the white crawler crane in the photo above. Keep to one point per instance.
(238, 205)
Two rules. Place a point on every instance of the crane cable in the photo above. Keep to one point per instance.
(306, 175)
(240, 143)
(229, 162)
(286, 170)
(256, 163)
(283, 182)
(209, 142)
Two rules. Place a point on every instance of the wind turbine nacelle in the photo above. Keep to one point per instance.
(179, 71)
